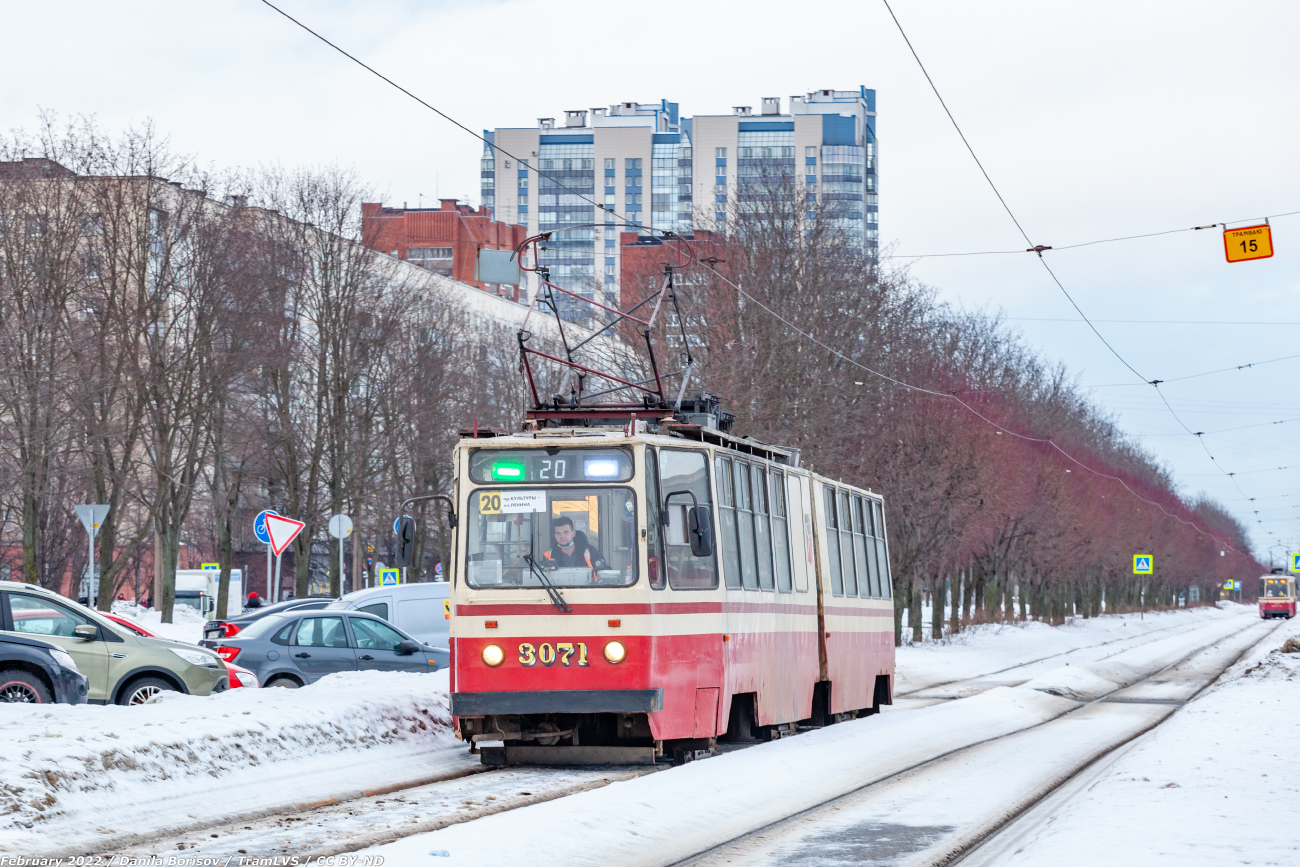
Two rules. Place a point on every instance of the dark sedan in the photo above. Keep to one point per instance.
(293, 649)
(217, 629)
(37, 672)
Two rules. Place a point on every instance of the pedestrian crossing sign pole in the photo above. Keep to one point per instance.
(1142, 564)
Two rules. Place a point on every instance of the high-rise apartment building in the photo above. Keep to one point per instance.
(648, 169)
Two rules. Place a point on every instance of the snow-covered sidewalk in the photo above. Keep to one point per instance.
(76, 776)
(1213, 786)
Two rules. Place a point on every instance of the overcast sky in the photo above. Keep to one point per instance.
(1095, 119)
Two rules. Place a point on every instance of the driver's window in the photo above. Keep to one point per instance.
(654, 527)
(37, 616)
(375, 636)
(680, 472)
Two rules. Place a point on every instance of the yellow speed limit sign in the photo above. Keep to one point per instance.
(1248, 242)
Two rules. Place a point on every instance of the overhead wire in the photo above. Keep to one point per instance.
(709, 266)
(1039, 249)
(1205, 373)
(1058, 247)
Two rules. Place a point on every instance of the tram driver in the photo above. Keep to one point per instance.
(571, 549)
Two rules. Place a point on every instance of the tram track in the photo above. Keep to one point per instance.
(855, 834)
(466, 795)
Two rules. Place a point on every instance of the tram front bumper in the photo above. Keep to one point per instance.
(557, 701)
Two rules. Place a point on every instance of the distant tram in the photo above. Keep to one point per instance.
(633, 594)
(1277, 596)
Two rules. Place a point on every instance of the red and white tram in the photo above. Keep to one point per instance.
(625, 594)
(1277, 597)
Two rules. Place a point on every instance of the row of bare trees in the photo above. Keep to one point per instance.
(1049, 501)
(190, 347)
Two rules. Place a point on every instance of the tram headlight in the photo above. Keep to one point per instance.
(493, 656)
(615, 652)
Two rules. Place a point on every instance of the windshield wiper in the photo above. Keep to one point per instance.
(551, 590)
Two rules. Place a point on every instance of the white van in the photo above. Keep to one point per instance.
(419, 609)
(197, 588)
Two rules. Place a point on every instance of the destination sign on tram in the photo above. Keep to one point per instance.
(530, 466)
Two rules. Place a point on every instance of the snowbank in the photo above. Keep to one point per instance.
(186, 625)
(1212, 786)
(68, 773)
(989, 648)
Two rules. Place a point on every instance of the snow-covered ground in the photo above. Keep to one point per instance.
(105, 778)
(989, 648)
(1215, 785)
(663, 818)
(186, 625)
(74, 774)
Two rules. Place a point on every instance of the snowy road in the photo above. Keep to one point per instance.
(930, 815)
(1212, 786)
(671, 817)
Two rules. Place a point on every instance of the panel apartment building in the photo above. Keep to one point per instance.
(648, 168)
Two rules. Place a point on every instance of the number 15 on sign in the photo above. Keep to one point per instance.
(1248, 242)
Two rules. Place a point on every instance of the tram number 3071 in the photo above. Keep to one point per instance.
(546, 654)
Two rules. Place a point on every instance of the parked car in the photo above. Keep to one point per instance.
(239, 676)
(232, 625)
(121, 665)
(423, 610)
(38, 672)
(295, 649)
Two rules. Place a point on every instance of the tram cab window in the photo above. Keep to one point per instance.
(654, 526)
(1275, 588)
(685, 471)
(571, 537)
(833, 542)
(727, 522)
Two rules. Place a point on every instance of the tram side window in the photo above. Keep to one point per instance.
(727, 522)
(762, 528)
(882, 552)
(846, 546)
(873, 562)
(866, 574)
(745, 526)
(780, 532)
(654, 529)
(685, 471)
(833, 543)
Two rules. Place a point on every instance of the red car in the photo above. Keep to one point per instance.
(239, 676)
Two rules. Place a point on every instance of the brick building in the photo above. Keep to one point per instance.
(643, 258)
(443, 240)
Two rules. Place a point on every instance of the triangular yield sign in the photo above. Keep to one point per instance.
(282, 531)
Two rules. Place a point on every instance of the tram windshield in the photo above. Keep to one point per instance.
(567, 537)
(1275, 587)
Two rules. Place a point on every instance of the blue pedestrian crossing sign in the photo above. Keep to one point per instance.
(390, 577)
(1142, 564)
(1295, 562)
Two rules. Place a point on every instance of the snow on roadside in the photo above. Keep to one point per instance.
(1211, 786)
(72, 772)
(983, 649)
(186, 625)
